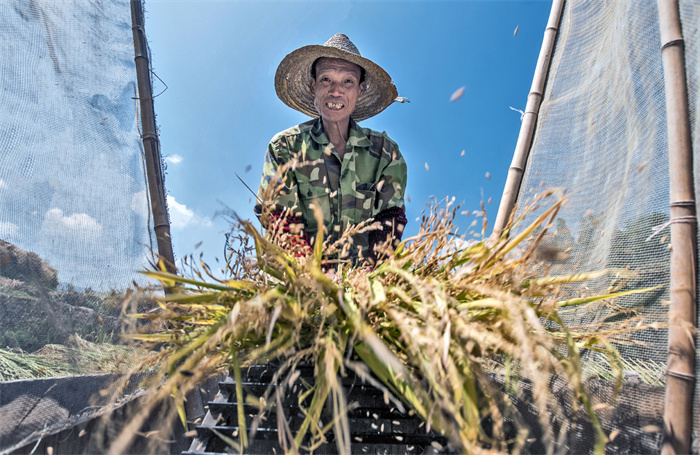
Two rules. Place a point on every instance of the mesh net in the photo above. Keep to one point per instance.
(690, 18)
(74, 217)
(602, 138)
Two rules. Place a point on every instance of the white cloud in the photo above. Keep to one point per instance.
(80, 225)
(173, 159)
(181, 216)
(2, 183)
(7, 229)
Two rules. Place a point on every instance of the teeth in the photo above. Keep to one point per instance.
(334, 105)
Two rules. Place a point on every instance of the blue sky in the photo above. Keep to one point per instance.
(218, 59)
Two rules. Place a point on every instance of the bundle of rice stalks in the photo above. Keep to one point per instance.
(78, 356)
(16, 364)
(449, 327)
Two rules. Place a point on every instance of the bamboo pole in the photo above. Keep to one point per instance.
(151, 143)
(194, 407)
(529, 121)
(680, 381)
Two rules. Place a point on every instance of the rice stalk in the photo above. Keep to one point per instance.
(78, 356)
(438, 325)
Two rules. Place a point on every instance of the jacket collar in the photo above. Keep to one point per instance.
(356, 137)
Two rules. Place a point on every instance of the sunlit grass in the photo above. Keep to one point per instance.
(432, 326)
(78, 356)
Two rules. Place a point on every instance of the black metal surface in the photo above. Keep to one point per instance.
(376, 425)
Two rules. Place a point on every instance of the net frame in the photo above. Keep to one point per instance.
(680, 432)
(85, 49)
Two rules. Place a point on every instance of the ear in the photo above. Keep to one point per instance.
(312, 83)
(363, 87)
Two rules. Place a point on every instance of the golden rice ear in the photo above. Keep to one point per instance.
(435, 324)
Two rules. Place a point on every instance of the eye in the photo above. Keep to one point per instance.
(325, 79)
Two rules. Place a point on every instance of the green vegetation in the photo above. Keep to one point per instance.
(78, 356)
(432, 326)
(34, 316)
(48, 330)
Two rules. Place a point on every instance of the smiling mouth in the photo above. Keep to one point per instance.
(335, 105)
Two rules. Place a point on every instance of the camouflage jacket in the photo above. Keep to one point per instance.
(370, 178)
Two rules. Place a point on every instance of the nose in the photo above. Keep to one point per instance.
(335, 88)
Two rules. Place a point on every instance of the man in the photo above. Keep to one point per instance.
(352, 174)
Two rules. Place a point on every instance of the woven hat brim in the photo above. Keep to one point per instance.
(294, 76)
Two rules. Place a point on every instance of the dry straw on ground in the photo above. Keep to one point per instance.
(448, 326)
(78, 356)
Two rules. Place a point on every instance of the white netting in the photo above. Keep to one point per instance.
(601, 136)
(71, 176)
(74, 216)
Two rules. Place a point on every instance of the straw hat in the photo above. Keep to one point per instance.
(294, 75)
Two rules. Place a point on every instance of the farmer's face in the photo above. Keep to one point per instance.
(336, 89)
